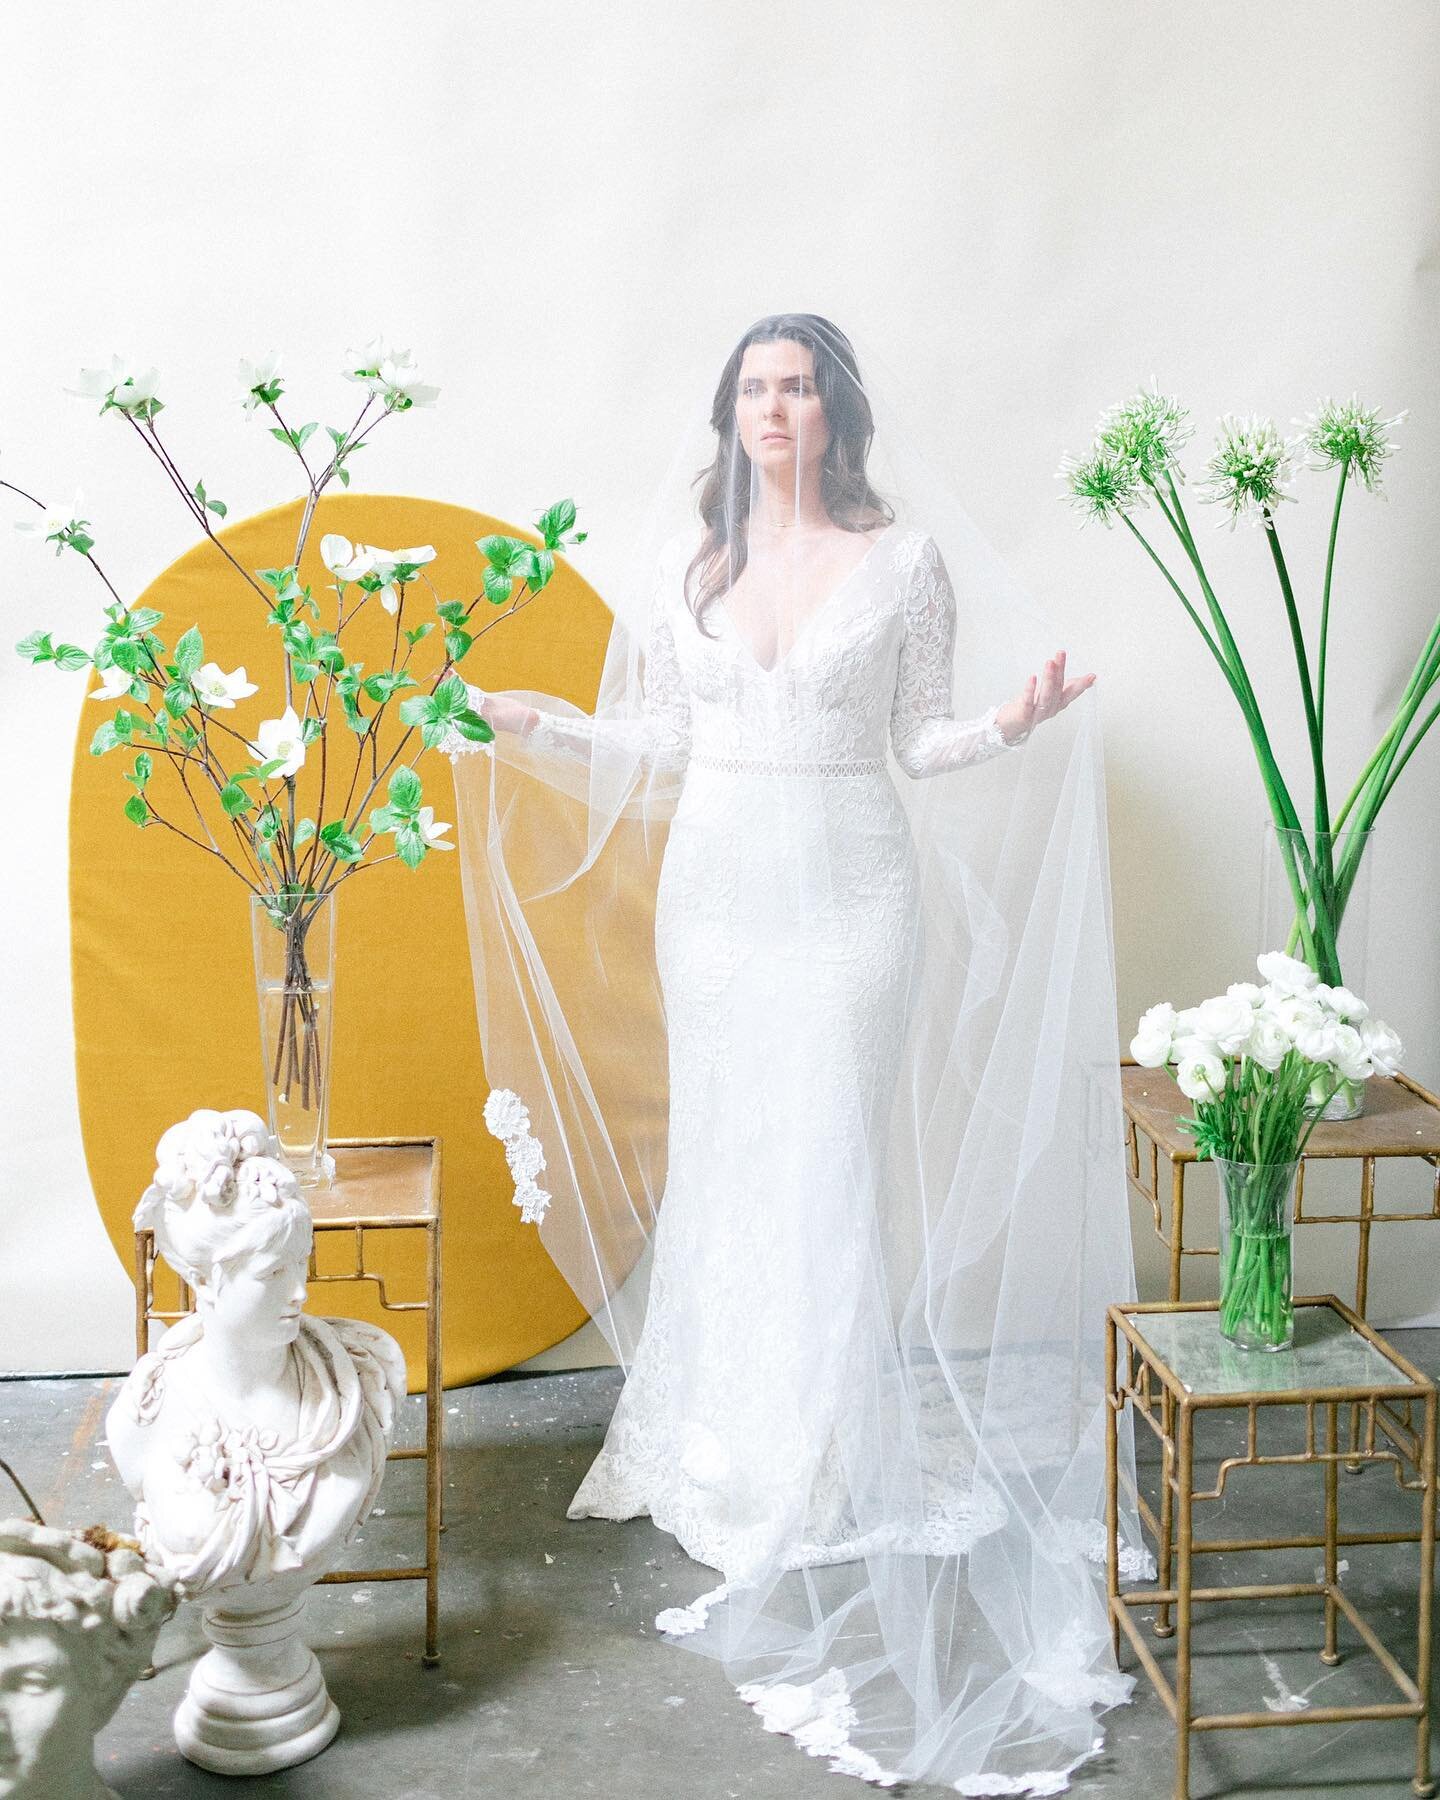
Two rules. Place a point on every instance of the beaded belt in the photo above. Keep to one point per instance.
(761, 765)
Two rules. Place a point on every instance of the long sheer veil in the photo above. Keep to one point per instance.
(944, 1202)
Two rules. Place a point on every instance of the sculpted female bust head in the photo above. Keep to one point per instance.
(79, 1614)
(254, 1438)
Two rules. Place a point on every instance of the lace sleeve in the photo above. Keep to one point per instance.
(926, 737)
(660, 735)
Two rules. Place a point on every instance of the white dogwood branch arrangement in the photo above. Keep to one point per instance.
(230, 792)
(1133, 462)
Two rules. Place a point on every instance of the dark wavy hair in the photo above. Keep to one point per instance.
(724, 502)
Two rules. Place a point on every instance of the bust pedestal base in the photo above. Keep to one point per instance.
(257, 1699)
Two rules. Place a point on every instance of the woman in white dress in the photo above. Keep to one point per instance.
(813, 1403)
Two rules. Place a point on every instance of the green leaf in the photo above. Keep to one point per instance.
(106, 738)
(71, 656)
(235, 800)
(470, 725)
(420, 631)
(189, 653)
(384, 818)
(144, 769)
(178, 699)
(452, 611)
(36, 648)
(268, 822)
(141, 618)
(451, 698)
(410, 845)
(304, 831)
(405, 790)
(336, 437)
(136, 810)
(457, 643)
(500, 552)
(555, 521)
(216, 506)
(337, 839)
(303, 436)
(498, 588)
(125, 723)
(311, 730)
(417, 710)
(343, 473)
(534, 566)
(305, 672)
(127, 654)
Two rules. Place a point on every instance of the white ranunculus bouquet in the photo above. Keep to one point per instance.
(1261, 1063)
(1257, 1059)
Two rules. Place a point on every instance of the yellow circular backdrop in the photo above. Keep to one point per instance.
(164, 997)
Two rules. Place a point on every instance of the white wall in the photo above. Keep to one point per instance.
(1036, 205)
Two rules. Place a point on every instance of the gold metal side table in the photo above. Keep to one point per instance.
(1401, 1119)
(1169, 1363)
(381, 1185)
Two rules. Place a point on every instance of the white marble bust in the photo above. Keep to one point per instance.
(79, 1614)
(253, 1438)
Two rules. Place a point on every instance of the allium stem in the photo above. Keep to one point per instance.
(1325, 603)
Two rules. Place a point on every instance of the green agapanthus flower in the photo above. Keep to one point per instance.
(1250, 469)
(1102, 485)
(1146, 432)
(1347, 433)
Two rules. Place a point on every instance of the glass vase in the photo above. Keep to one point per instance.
(1315, 906)
(1257, 1226)
(293, 934)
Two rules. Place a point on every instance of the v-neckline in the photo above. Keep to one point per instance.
(811, 617)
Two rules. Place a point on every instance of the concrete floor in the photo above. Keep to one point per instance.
(555, 1683)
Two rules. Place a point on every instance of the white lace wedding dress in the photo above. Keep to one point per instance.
(785, 1007)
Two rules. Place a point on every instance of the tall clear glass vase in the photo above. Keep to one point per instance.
(1315, 905)
(1257, 1229)
(293, 934)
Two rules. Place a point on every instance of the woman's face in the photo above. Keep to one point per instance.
(261, 1298)
(778, 413)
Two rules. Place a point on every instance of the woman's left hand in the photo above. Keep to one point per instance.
(1041, 698)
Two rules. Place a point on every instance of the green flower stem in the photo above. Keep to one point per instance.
(1408, 752)
(1302, 668)
(1423, 677)
(1325, 603)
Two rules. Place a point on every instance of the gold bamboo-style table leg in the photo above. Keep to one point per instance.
(434, 1446)
(1164, 1625)
(1330, 1655)
(1183, 1710)
(1423, 1784)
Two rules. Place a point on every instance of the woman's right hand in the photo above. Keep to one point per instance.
(505, 714)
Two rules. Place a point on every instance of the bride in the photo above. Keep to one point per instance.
(812, 1071)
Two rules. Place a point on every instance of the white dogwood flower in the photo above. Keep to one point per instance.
(344, 560)
(115, 684)
(260, 380)
(217, 692)
(432, 831)
(391, 373)
(281, 740)
(386, 563)
(123, 384)
(55, 523)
